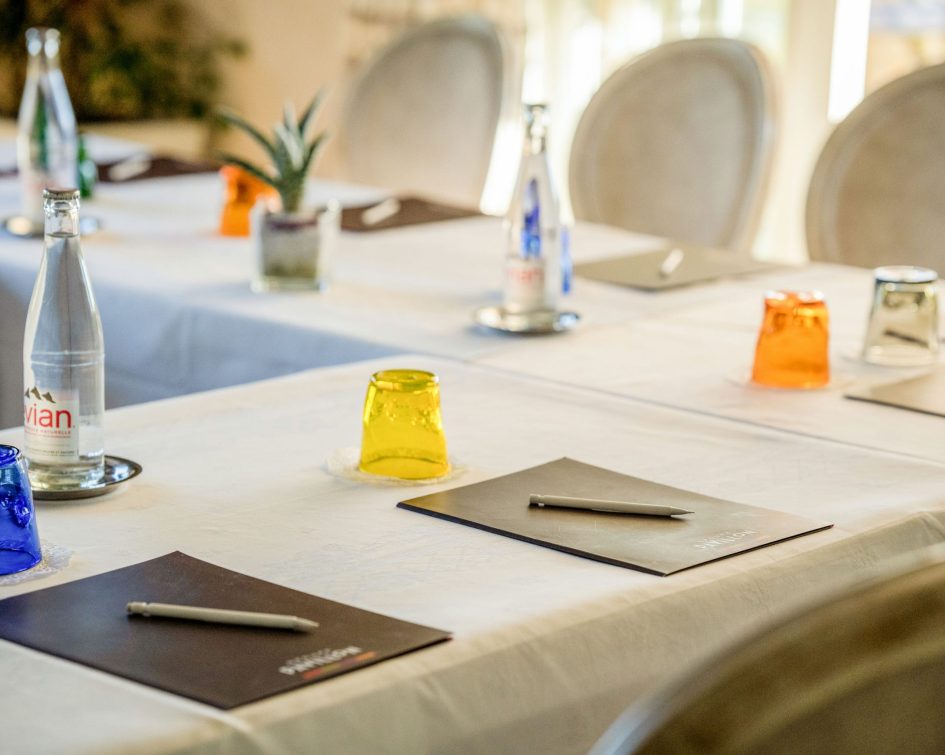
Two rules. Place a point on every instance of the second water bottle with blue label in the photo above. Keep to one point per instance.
(534, 269)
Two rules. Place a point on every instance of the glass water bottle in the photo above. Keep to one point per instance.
(533, 226)
(63, 359)
(46, 146)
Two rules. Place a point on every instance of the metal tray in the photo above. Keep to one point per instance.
(117, 471)
(543, 321)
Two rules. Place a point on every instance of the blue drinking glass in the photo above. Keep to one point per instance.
(19, 538)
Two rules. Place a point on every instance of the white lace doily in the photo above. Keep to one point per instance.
(343, 463)
(55, 558)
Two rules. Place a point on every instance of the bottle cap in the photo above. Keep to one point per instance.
(60, 194)
(40, 39)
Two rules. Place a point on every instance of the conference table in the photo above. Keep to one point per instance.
(548, 648)
(178, 314)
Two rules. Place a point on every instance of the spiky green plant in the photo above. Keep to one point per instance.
(288, 149)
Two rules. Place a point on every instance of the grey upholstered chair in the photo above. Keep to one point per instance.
(877, 194)
(423, 114)
(862, 673)
(678, 143)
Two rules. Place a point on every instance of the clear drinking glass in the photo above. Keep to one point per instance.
(403, 428)
(19, 538)
(903, 324)
(792, 350)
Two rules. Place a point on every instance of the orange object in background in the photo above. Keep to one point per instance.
(792, 349)
(242, 191)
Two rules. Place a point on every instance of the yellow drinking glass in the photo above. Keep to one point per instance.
(403, 429)
(792, 345)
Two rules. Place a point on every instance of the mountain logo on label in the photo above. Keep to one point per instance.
(34, 393)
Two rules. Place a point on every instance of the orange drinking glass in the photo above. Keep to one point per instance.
(792, 345)
(242, 191)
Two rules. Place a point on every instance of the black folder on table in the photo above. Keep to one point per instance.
(223, 665)
(396, 212)
(659, 545)
(925, 393)
(671, 265)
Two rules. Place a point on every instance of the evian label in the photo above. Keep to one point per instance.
(51, 424)
(524, 284)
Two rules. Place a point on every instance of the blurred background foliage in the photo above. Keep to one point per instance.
(122, 59)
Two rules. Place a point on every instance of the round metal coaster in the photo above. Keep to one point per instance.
(117, 471)
(542, 321)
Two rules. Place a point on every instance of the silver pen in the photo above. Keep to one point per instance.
(670, 262)
(222, 616)
(381, 211)
(596, 504)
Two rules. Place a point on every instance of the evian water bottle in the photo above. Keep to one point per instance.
(63, 359)
(533, 226)
(46, 142)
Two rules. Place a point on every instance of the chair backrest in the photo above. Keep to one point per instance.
(877, 193)
(678, 143)
(862, 673)
(422, 116)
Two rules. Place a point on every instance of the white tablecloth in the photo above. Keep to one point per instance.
(178, 315)
(548, 647)
(700, 359)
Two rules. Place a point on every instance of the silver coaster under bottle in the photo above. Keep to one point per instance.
(535, 322)
(117, 471)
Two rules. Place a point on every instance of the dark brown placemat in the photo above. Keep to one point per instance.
(406, 211)
(658, 545)
(154, 167)
(649, 270)
(145, 167)
(85, 621)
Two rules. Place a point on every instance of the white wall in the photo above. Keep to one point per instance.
(295, 48)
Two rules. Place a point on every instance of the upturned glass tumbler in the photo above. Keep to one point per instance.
(792, 350)
(903, 324)
(19, 538)
(403, 428)
(242, 191)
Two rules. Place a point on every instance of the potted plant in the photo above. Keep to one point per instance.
(293, 240)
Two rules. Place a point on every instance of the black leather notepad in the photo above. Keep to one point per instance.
(399, 212)
(658, 545)
(670, 266)
(85, 621)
